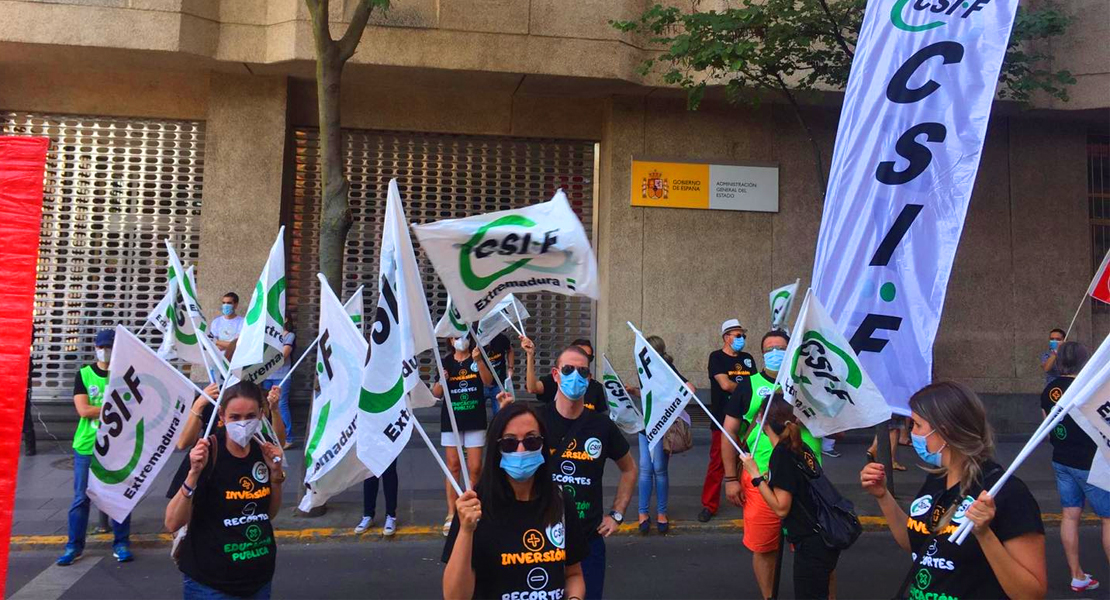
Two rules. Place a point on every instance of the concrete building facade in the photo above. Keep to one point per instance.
(238, 75)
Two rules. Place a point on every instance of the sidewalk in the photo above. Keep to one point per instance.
(45, 491)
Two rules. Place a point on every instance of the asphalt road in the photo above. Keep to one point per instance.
(705, 565)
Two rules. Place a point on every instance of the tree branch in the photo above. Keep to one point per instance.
(318, 12)
(836, 29)
(349, 42)
(818, 161)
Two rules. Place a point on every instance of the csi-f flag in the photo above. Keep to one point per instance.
(330, 465)
(145, 407)
(354, 308)
(823, 378)
(190, 338)
(259, 350)
(502, 317)
(482, 259)
(451, 324)
(782, 300)
(622, 410)
(662, 392)
(401, 330)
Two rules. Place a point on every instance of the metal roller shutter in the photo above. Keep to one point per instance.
(440, 177)
(114, 189)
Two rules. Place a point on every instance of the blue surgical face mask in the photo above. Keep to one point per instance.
(772, 359)
(521, 465)
(226, 309)
(1053, 344)
(920, 445)
(574, 385)
(738, 343)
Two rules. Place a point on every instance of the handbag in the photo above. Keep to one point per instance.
(678, 438)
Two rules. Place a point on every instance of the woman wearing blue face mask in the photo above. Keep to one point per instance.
(1005, 556)
(515, 534)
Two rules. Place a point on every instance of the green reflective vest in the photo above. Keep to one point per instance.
(762, 389)
(85, 436)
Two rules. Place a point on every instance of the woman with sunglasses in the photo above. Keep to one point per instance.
(467, 378)
(516, 535)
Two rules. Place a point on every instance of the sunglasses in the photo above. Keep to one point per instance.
(568, 369)
(531, 443)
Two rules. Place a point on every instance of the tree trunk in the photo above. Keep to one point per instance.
(818, 160)
(335, 208)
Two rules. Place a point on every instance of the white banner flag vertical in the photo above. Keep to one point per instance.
(354, 308)
(622, 410)
(330, 466)
(782, 300)
(259, 349)
(663, 394)
(907, 151)
(143, 413)
(401, 330)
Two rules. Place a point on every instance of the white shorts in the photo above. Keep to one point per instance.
(471, 439)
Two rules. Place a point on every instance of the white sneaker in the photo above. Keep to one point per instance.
(390, 526)
(447, 526)
(364, 524)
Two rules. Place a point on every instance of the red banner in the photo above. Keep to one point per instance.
(22, 162)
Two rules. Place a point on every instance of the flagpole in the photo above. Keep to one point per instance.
(451, 417)
(725, 433)
(511, 324)
(1075, 316)
(309, 348)
(489, 363)
(518, 319)
(439, 459)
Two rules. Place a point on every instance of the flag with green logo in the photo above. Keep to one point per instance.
(259, 350)
(451, 324)
(622, 410)
(484, 258)
(508, 312)
(823, 378)
(330, 465)
(188, 319)
(782, 300)
(401, 330)
(145, 407)
(354, 308)
(663, 394)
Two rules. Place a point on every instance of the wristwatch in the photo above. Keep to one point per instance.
(757, 480)
(619, 518)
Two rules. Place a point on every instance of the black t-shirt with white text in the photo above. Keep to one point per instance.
(594, 399)
(498, 353)
(578, 462)
(959, 572)
(230, 544)
(467, 396)
(783, 473)
(1071, 446)
(514, 555)
(736, 368)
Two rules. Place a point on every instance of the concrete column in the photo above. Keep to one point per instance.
(242, 184)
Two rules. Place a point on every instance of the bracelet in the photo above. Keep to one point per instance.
(189, 491)
(731, 479)
(196, 414)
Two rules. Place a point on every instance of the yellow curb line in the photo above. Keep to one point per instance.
(311, 535)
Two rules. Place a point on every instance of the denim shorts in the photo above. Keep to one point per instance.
(1074, 489)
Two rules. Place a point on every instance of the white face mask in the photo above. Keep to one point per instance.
(461, 344)
(241, 432)
(102, 355)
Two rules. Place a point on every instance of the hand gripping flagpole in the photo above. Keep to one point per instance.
(485, 357)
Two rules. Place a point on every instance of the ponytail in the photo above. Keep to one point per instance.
(781, 420)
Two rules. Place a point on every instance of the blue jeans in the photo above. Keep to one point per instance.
(79, 510)
(653, 466)
(491, 392)
(370, 492)
(1075, 491)
(194, 590)
(593, 568)
(283, 406)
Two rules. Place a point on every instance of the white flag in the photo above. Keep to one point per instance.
(662, 392)
(451, 324)
(402, 329)
(622, 410)
(162, 315)
(259, 350)
(823, 378)
(502, 317)
(1087, 401)
(782, 300)
(354, 308)
(191, 343)
(144, 410)
(907, 152)
(330, 465)
(482, 259)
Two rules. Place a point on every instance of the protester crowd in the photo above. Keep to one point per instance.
(537, 500)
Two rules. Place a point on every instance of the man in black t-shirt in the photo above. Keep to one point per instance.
(580, 441)
(1072, 453)
(728, 367)
(545, 387)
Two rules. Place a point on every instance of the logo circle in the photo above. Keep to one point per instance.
(567, 467)
(556, 534)
(537, 579)
(260, 472)
(533, 540)
(253, 533)
(569, 490)
(593, 447)
(921, 505)
(1060, 432)
(246, 484)
(923, 579)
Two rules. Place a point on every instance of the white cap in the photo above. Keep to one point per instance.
(730, 324)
